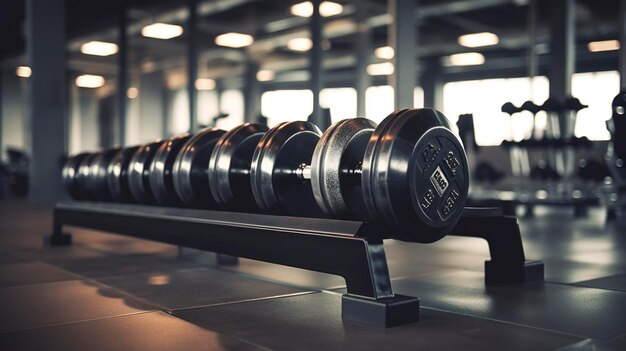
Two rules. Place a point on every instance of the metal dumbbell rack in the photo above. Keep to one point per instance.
(353, 250)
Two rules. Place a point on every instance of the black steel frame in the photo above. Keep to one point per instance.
(353, 250)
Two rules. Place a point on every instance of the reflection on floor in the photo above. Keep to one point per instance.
(112, 292)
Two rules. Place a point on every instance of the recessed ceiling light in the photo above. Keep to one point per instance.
(264, 75)
(327, 9)
(234, 40)
(89, 81)
(132, 92)
(98, 48)
(476, 40)
(385, 52)
(604, 45)
(380, 69)
(23, 71)
(300, 44)
(162, 31)
(205, 84)
(466, 59)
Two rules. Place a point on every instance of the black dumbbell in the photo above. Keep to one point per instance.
(117, 174)
(277, 171)
(191, 171)
(509, 108)
(229, 167)
(410, 172)
(97, 180)
(139, 173)
(70, 175)
(161, 171)
(82, 178)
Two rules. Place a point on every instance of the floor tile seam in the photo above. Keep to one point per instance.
(576, 345)
(173, 311)
(564, 333)
(269, 280)
(86, 320)
(577, 285)
(615, 338)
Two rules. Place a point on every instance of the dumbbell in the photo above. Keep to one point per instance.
(96, 182)
(510, 109)
(161, 175)
(82, 178)
(117, 174)
(70, 175)
(410, 172)
(229, 167)
(191, 172)
(139, 173)
(280, 170)
(616, 153)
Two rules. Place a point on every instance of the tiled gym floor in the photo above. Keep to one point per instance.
(109, 292)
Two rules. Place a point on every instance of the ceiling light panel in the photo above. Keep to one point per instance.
(99, 48)
(162, 31)
(234, 40)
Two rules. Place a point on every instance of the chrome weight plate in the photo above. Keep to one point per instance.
(415, 175)
(117, 174)
(229, 167)
(70, 175)
(191, 177)
(139, 173)
(336, 166)
(97, 181)
(278, 156)
(161, 171)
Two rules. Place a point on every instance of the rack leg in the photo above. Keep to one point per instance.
(508, 264)
(381, 313)
(581, 211)
(57, 238)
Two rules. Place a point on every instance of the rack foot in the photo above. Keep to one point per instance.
(581, 211)
(381, 313)
(62, 239)
(500, 274)
(227, 260)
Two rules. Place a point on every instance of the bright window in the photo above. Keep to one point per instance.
(340, 101)
(286, 105)
(179, 122)
(484, 99)
(207, 106)
(378, 102)
(596, 89)
(231, 102)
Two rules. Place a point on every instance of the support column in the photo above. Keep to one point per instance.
(252, 94)
(622, 41)
(315, 65)
(403, 40)
(47, 97)
(363, 52)
(122, 75)
(1, 121)
(432, 85)
(192, 64)
(561, 48)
